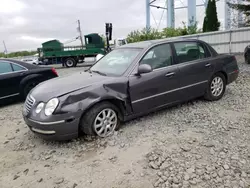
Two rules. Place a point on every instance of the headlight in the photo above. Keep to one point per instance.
(39, 107)
(51, 106)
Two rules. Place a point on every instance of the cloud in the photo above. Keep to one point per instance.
(34, 39)
(24, 24)
(18, 21)
(11, 6)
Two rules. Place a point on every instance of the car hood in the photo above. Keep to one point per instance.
(60, 86)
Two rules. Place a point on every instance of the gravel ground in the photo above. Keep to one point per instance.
(197, 144)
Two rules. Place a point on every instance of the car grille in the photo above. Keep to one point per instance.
(28, 104)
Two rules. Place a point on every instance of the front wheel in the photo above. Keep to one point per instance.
(101, 120)
(216, 87)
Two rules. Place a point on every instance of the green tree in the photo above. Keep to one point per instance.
(211, 22)
(190, 30)
(204, 27)
(244, 8)
(18, 54)
(144, 34)
(171, 32)
(152, 34)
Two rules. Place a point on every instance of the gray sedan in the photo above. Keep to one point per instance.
(128, 82)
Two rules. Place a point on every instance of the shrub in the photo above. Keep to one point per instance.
(152, 34)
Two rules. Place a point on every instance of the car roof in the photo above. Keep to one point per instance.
(146, 44)
(24, 64)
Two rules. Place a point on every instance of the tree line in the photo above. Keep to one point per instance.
(18, 54)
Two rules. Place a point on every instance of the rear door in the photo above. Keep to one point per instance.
(10, 78)
(159, 87)
(196, 67)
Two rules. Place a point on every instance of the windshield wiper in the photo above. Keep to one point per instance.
(98, 72)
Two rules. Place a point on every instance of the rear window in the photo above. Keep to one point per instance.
(17, 67)
(5, 68)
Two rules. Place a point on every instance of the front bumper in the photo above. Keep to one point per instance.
(56, 130)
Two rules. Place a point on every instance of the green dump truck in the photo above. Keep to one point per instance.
(54, 52)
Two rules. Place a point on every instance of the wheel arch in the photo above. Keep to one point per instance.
(29, 78)
(224, 74)
(119, 104)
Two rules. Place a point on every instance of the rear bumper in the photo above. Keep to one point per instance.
(232, 76)
(57, 130)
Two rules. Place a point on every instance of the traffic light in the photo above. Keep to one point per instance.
(109, 30)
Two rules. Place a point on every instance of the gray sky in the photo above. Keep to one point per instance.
(25, 24)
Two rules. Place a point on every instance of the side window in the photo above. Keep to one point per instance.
(17, 67)
(158, 57)
(5, 67)
(149, 55)
(189, 51)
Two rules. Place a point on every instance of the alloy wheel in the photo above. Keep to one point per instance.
(217, 86)
(105, 122)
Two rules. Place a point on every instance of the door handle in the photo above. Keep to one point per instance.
(170, 74)
(208, 65)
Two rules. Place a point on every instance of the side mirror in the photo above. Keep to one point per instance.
(144, 68)
(99, 56)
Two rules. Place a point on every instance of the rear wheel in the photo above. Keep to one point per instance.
(28, 87)
(70, 62)
(216, 87)
(101, 120)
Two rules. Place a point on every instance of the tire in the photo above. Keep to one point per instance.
(89, 120)
(247, 58)
(213, 95)
(70, 62)
(28, 87)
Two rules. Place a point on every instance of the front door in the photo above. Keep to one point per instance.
(159, 87)
(196, 68)
(10, 77)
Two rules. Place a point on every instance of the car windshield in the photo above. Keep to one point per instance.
(116, 62)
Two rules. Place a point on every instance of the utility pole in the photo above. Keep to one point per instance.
(80, 31)
(5, 49)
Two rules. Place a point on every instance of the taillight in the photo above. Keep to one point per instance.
(54, 71)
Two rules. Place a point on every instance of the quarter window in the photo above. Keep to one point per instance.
(5, 67)
(158, 57)
(189, 51)
(17, 67)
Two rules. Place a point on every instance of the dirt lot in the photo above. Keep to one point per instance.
(198, 144)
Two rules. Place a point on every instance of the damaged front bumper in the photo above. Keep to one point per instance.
(54, 130)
